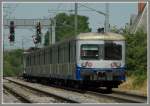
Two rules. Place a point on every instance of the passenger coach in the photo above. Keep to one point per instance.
(93, 59)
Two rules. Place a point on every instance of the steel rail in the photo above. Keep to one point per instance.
(42, 91)
(119, 96)
(21, 97)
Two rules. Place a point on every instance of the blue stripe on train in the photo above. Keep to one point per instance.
(78, 70)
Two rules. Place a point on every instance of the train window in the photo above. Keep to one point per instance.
(74, 51)
(27, 61)
(113, 51)
(47, 56)
(35, 58)
(32, 59)
(37, 63)
(43, 56)
(40, 60)
(53, 55)
(89, 52)
(50, 56)
(58, 54)
(68, 52)
(61, 54)
(71, 53)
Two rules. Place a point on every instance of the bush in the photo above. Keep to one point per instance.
(136, 56)
(12, 62)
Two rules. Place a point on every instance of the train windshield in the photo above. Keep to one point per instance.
(89, 52)
(106, 51)
(112, 51)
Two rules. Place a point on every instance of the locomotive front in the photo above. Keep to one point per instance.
(101, 59)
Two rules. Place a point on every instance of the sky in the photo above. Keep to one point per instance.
(119, 15)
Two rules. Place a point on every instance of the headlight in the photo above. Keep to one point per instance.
(115, 64)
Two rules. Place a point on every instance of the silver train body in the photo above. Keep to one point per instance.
(96, 59)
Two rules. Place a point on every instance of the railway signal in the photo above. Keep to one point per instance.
(12, 31)
(38, 28)
(38, 31)
(100, 30)
(37, 38)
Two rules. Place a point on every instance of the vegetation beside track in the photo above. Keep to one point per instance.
(136, 60)
(12, 62)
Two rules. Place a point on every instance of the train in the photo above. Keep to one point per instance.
(89, 59)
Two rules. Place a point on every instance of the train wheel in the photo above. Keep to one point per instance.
(109, 89)
(76, 86)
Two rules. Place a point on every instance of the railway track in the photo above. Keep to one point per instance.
(10, 97)
(139, 98)
(123, 97)
(115, 97)
(119, 96)
(66, 95)
(29, 94)
(116, 94)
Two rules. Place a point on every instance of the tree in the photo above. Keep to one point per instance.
(136, 55)
(13, 62)
(65, 26)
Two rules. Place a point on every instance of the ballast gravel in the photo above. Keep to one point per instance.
(80, 97)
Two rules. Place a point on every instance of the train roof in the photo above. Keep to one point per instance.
(87, 36)
(100, 36)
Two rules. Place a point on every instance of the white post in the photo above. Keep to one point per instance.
(107, 18)
(50, 35)
(53, 30)
(76, 18)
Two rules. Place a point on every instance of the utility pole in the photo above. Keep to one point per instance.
(76, 18)
(53, 30)
(22, 44)
(107, 18)
(50, 35)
